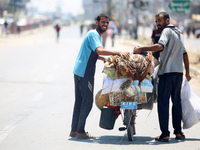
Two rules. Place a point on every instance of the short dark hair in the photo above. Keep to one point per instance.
(101, 15)
(166, 15)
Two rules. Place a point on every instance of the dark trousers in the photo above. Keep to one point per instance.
(57, 35)
(83, 102)
(113, 39)
(170, 85)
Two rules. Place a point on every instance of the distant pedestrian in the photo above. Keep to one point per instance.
(57, 28)
(120, 30)
(113, 26)
(193, 30)
(18, 30)
(6, 27)
(188, 31)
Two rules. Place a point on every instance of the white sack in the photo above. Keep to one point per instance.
(190, 106)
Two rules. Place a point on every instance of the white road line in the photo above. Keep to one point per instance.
(6, 131)
(38, 97)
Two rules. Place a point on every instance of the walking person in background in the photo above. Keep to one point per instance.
(18, 31)
(84, 71)
(172, 56)
(113, 26)
(57, 28)
(6, 27)
(188, 31)
(193, 30)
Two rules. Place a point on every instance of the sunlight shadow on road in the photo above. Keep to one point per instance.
(116, 140)
(123, 140)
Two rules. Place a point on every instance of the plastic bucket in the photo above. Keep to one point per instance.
(107, 119)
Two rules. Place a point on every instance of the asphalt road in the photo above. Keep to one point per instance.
(37, 97)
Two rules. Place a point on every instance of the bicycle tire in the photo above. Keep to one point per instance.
(130, 123)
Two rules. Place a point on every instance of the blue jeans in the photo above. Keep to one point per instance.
(170, 85)
(83, 102)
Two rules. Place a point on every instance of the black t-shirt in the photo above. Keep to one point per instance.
(156, 36)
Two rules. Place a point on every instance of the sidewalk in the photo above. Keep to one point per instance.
(25, 36)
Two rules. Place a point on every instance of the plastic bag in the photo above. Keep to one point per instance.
(190, 106)
(146, 86)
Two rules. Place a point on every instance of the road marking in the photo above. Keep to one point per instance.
(38, 97)
(6, 131)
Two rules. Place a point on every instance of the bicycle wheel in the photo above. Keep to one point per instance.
(130, 123)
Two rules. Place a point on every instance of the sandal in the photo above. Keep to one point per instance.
(84, 136)
(162, 138)
(180, 136)
(73, 134)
